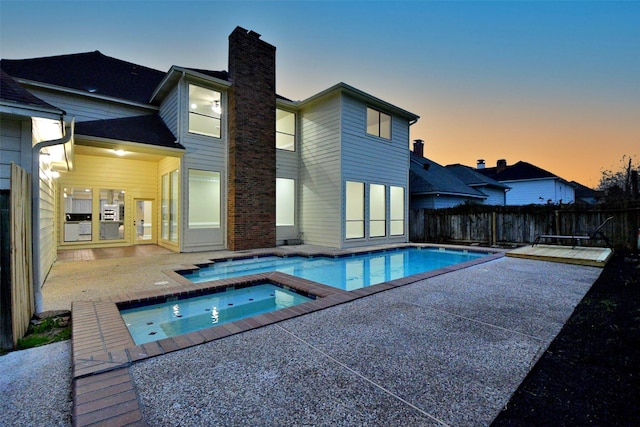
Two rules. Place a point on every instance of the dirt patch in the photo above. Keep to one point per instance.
(590, 374)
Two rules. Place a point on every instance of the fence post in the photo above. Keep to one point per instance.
(494, 238)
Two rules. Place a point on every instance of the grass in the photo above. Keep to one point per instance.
(44, 331)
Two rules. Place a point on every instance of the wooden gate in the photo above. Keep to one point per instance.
(17, 303)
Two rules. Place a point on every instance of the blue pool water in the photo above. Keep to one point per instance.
(348, 273)
(158, 321)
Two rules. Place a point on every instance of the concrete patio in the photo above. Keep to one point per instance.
(447, 350)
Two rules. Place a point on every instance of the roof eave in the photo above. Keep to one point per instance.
(25, 110)
(357, 93)
(174, 75)
(139, 147)
(85, 94)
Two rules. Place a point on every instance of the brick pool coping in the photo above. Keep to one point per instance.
(102, 348)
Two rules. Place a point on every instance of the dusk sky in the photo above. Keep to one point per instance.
(556, 84)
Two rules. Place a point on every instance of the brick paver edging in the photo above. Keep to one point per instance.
(102, 348)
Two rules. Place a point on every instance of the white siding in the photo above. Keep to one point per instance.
(10, 149)
(85, 108)
(531, 192)
(495, 196)
(48, 246)
(169, 110)
(564, 193)
(288, 166)
(374, 160)
(202, 153)
(439, 202)
(320, 175)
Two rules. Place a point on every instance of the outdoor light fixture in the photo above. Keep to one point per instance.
(120, 152)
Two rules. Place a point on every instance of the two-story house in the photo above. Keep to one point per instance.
(529, 183)
(196, 160)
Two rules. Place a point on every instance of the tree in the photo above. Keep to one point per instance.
(619, 181)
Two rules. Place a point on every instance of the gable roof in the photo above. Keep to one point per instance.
(90, 72)
(344, 88)
(472, 178)
(428, 177)
(516, 172)
(11, 93)
(148, 129)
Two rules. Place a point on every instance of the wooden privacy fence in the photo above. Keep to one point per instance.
(496, 225)
(16, 282)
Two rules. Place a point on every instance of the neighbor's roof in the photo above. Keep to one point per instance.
(12, 93)
(435, 179)
(91, 72)
(472, 178)
(516, 172)
(148, 129)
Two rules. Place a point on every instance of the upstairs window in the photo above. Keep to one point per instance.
(285, 130)
(378, 123)
(205, 111)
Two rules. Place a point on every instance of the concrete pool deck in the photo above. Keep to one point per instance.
(445, 350)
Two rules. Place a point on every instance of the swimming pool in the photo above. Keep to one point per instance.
(179, 316)
(345, 272)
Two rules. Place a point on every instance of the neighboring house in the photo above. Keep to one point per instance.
(196, 160)
(585, 194)
(529, 184)
(433, 186)
(495, 191)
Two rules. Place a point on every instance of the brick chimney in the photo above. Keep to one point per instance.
(251, 192)
(418, 147)
(501, 165)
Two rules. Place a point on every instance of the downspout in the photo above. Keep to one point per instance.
(35, 207)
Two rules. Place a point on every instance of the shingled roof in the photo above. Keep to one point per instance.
(148, 129)
(92, 72)
(516, 172)
(12, 92)
(428, 177)
(472, 178)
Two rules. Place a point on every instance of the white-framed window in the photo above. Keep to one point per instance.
(354, 218)
(170, 194)
(285, 202)
(377, 210)
(396, 217)
(378, 123)
(205, 111)
(204, 199)
(285, 130)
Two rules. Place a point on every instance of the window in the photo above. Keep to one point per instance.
(204, 199)
(285, 202)
(397, 211)
(78, 204)
(173, 208)
(378, 123)
(111, 214)
(205, 110)
(165, 207)
(285, 130)
(169, 227)
(377, 211)
(354, 201)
